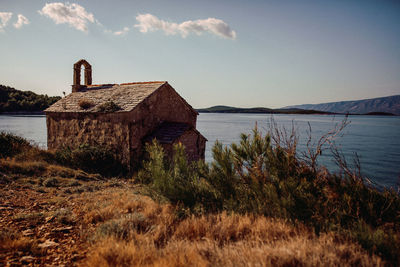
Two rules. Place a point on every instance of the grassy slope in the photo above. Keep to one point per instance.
(54, 217)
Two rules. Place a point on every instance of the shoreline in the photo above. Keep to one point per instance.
(302, 113)
(22, 113)
(381, 114)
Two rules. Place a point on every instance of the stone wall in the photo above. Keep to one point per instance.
(194, 143)
(73, 130)
(164, 105)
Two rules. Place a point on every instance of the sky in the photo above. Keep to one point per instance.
(254, 53)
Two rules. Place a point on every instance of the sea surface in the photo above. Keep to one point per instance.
(375, 139)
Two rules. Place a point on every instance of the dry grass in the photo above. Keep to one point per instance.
(11, 241)
(132, 230)
(20, 244)
(24, 168)
(29, 168)
(292, 252)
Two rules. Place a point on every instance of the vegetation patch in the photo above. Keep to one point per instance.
(11, 144)
(108, 107)
(93, 159)
(64, 216)
(31, 168)
(85, 103)
(124, 227)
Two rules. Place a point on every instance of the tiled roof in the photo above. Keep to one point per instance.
(168, 132)
(126, 96)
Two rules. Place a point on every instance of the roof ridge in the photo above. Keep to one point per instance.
(99, 85)
(110, 84)
(142, 82)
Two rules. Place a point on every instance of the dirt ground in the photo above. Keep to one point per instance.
(41, 225)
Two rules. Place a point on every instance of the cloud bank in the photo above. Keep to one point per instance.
(22, 20)
(122, 32)
(77, 17)
(4, 19)
(149, 23)
(73, 14)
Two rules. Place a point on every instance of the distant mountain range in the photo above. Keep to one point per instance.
(389, 105)
(227, 109)
(381, 105)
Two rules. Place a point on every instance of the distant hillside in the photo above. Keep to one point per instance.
(382, 105)
(227, 109)
(12, 100)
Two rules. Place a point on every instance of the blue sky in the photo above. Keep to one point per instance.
(237, 53)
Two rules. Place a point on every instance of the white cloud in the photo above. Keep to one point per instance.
(148, 22)
(22, 20)
(4, 19)
(122, 32)
(73, 14)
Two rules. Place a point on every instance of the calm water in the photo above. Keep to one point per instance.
(374, 138)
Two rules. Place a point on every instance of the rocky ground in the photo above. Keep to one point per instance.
(41, 223)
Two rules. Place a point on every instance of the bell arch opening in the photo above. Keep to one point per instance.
(77, 75)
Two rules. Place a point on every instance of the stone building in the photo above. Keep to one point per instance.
(123, 117)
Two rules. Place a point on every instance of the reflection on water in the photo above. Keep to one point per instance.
(374, 138)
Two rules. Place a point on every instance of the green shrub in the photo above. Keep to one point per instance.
(93, 159)
(11, 144)
(178, 180)
(21, 150)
